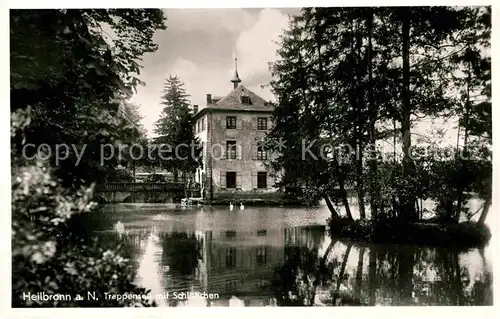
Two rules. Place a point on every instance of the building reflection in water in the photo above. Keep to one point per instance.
(300, 266)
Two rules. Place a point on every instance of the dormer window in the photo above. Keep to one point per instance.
(245, 99)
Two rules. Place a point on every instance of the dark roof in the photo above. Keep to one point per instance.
(232, 101)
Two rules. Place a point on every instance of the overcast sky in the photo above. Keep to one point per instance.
(199, 46)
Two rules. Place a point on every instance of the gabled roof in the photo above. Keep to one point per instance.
(232, 101)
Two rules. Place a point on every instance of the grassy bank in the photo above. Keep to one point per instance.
(466, 234)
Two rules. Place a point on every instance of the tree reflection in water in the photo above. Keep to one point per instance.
(181, 252)
(287, 266)
(307, 274)
(97, 229)
(389, 275)
(297, 280)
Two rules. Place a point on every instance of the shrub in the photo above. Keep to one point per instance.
(40, 260)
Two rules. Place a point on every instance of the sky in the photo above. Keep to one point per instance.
(199, 46)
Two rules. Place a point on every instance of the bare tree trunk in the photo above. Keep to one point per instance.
(395, 209)
(340, 177)
(357, 100)
(407, 198)
(359, 181)
(374, 193)
(460, 198)
(345, 202)
(334, 213)
(484, 212)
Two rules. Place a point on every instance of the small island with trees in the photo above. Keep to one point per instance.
(349, 82)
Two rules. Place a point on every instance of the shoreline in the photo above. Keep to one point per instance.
(425, 233)
(255, 202)
(461, 235)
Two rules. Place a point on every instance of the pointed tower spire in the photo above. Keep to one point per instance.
(236, 79)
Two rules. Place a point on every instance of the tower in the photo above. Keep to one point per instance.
(236, 79)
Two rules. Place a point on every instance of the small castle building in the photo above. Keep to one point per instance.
(231, 129)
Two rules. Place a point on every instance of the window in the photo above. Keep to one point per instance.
(231, 257)
(261, 152)
(231, 122)
(202, 123)
(230, 179)
(245, 99)
(231, 149)
(261, 180)
(261, 255)
(262, 123)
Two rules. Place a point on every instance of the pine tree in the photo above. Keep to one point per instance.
(357, 76)
(175, 129)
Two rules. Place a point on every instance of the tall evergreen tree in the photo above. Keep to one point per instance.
(175, 129)
(358, 76)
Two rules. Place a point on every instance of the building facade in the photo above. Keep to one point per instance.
(226, 267)
(230, 129)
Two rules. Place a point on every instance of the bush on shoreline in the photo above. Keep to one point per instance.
(42, 258)
(465, 234)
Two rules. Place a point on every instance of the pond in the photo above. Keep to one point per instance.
(263, 256)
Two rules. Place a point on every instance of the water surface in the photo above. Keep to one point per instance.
(264, 256)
